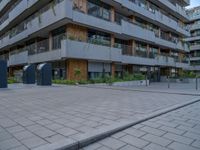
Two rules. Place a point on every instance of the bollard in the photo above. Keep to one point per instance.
(168, 82)
(196, 83)
(146, 80)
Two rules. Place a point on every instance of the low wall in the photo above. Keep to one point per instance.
(132, 83)
(185, 80)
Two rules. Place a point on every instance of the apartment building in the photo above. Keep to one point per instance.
(95, 37)
(194, 40)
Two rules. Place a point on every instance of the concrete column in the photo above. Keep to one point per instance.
(113, 69)
(50, 41)
(148, 50)
(112, 14)
(112, 40)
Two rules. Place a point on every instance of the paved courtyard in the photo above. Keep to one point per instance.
(32, 116)
(177, 130)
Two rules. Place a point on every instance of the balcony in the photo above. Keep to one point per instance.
(193, 38)
(165, 60)
(136, 31)
(153, 15)
(195, 26)
(83, 50)
(37, 22)
(175, 8)
(95, 22)
(45, 56)
(18, 58)
(3, 3)
(40, 52)
(195, 47)
(17, 10)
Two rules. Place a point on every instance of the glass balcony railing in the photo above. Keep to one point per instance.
(39, 47)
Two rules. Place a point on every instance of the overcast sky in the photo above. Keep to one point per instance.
(194, 3)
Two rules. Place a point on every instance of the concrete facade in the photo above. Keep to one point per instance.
(118, 33)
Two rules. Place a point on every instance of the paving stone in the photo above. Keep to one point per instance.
(119, 135)
(179, 146)
(44, 133)
(44, 122)
(196, 144)
(184, 123)
(23, 135)
(138, 126)
(24, 122)
(20, 148)
(104, 148)
(139, 143)
(134, 132)
(54, 126)
(7, 123)
(151, 124)
(33, 142)
(153, 131)
(112, 143)
(129, 147)
(67, 131)
(55, 138)
(4, 135)
(93, 147)
(35, 118)
(178, 138)
(172, 130)
(15, 129)
(192, 135)
(35, 127)
(8, 144)
(185, 128)
(157, 140)
(169, 124)
(155, 147)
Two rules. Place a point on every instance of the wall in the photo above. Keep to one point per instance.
(75, 64)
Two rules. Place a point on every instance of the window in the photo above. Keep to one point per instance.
(99, 38)
(99, 9)
(57, 36)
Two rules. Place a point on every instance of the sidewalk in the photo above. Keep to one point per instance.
(176, 130)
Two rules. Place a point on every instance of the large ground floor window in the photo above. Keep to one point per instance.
(98, 70)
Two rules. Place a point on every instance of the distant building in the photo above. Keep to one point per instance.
(194, 40)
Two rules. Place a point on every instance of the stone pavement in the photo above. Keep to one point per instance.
(176, 130)
(161, 87)
(32, 116)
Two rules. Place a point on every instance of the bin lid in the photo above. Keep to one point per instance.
(40, 66)
(25, 67)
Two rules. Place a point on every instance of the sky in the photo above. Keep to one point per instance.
(194, 3)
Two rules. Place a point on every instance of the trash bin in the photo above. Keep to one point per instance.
(44, 74)
(3, 74)
(29, 74)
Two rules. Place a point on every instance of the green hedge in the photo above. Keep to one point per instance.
(12, 80)
(106, 79)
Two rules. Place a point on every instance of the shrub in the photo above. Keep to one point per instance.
(12, 80)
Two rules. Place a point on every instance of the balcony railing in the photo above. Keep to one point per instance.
(39, 47)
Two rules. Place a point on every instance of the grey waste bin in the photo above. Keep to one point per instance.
(44, 74)
(3, 74)
(29, 74)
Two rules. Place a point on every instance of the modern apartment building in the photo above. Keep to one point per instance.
(95, 37)
(194, 40)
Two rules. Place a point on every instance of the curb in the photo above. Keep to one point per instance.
(89, 138)
(138, 90)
